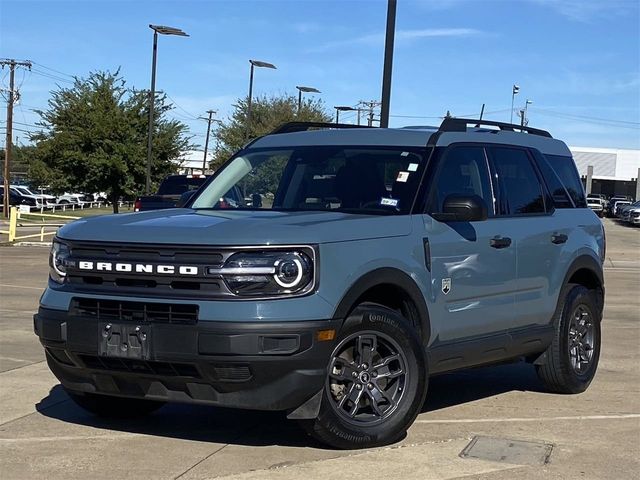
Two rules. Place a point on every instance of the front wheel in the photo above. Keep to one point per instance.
(376, 381)
(572, 358)
(114, 407)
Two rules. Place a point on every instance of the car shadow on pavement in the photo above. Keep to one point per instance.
(189, 422)
(254, 428)
(474, 384)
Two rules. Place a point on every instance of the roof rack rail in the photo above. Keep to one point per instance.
(291, 127)
(460, 125)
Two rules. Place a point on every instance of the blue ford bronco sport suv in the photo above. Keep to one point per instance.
(368, 260)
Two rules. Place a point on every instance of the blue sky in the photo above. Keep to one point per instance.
(577, 60)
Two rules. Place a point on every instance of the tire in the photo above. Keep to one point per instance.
(64, 202)
(562, 370)
(378, 356)
(114, 407)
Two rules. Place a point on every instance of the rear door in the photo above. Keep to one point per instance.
(472, 264)
(526, 209)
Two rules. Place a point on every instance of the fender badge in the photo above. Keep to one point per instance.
(446, 285)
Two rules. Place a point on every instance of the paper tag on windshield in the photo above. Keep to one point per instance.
(412, 167)
(389, 202)
(402, 177)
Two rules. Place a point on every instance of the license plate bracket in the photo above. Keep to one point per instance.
(124, 340)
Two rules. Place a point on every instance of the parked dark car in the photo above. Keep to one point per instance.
(169, 192)
(15, 198)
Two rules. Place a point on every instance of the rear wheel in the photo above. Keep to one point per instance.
(572, 359)
(114, 407)
(376, 381)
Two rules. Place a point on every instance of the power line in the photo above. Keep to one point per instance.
(584, 117)
(53, 70)
(52, 77)
(193, 117)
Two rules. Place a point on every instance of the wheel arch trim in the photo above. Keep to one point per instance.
(381, 276)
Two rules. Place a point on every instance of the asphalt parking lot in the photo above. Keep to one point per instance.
(594, 435)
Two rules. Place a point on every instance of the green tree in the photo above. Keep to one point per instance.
(267, 113)
(94, 138)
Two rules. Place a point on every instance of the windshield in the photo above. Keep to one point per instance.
(368, 180)
(177, 185)
(24, 190)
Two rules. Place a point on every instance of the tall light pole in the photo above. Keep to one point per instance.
(524, 119)
(206, 143)
(259, 64)
(342, 109)
(388, 63)
(306, 90)
(162, 30)
(514, 91)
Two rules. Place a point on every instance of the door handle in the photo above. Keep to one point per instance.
(500, 242)
(559, 238)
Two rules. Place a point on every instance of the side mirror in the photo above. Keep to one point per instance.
(462, 208)
(185, 197)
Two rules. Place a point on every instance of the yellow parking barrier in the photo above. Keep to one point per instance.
(15, 215)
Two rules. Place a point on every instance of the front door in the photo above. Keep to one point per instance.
(472, 264)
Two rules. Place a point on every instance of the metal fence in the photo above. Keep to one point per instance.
(19, 220)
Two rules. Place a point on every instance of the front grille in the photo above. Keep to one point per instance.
(148, 284)
(139, 312)
(140, 366)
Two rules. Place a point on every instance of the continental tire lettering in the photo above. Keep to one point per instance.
(382, 318)
(348, 436)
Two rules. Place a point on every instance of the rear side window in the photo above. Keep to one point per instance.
(558, 192)
(520, 189)
(566, 170)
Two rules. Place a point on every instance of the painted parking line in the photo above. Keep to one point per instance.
(534, 419)
(21, 286)
(71, 438)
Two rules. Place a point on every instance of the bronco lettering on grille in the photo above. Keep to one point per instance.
(138, 268)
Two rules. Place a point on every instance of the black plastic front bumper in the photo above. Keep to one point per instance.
(262, 366)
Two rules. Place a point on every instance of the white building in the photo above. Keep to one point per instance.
(615, 170)
(191, 161)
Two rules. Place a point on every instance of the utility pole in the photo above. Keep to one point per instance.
(7, 149)
(370, 107)
(206, 143)
(388, 63)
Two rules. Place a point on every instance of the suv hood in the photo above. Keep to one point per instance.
(208, 227)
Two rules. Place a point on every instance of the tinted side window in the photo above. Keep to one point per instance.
(566, 170)
(177, 185)
(558, 192)
(520, 190)
(462, 171)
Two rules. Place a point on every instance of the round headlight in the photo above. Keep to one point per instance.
(266, 273)
(288, 272)
(58, 261)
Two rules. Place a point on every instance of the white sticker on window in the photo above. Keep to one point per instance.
(412, 167)
(404, 154)
(402, 177)
(389, 202)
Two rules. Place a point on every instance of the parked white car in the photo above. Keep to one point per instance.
(70, 198)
